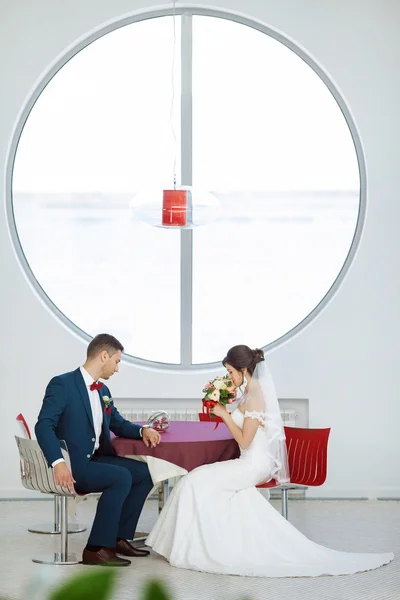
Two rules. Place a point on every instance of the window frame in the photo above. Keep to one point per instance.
(186, 15)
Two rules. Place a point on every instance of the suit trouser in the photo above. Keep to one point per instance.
(125, 485)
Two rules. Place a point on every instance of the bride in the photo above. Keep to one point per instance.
(216, 521)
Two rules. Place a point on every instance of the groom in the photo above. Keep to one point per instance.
(79, 409)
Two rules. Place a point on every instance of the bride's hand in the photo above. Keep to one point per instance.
(219, 410)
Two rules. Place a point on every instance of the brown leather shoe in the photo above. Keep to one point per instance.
(126, 549)
(105, 557)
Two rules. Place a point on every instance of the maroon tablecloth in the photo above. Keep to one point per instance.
(187, 444)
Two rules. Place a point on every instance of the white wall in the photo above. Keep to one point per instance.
(346, 362)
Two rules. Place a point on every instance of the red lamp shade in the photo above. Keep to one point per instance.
(174, 209)
(182, 207)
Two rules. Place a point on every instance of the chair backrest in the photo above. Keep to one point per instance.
(307, 455)
(24, 425)
(35, 474)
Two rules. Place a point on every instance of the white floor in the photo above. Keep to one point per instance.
(370, 526)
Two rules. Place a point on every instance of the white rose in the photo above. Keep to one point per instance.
(218, 384)
(214, 395)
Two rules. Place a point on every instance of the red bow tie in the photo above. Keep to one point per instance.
(96, 386)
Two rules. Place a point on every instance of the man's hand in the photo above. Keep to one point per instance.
(150, 437)
(63, 477)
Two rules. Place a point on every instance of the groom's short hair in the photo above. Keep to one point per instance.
(104, 341)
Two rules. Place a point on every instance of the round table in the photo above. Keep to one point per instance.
(187, 444)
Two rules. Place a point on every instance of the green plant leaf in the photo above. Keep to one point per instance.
(96, 585)
(155, 590)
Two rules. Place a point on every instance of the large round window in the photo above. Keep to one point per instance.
(240, 114)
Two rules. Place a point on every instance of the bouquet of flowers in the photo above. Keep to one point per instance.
(220, 389)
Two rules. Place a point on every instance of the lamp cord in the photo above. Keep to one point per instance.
(171, 114)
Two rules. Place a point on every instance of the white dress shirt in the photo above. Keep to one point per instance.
(95, 404)
(97, 412)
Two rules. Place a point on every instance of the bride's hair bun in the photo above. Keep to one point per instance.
(258, 355)
(243, 357)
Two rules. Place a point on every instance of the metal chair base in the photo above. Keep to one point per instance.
(63, 557)
(57, 558)
(55, 528)
(45, 528)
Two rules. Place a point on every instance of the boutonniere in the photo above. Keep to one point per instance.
(107, 404)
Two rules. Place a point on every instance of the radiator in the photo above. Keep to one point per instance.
(176, 414)
(289, 415)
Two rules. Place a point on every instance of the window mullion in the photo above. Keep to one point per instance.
(186, 179)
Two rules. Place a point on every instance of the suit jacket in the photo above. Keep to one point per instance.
(66, 414)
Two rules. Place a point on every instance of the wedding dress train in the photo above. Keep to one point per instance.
(216, 521)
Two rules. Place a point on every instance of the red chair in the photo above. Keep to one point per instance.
(25, 427)
(307, 457)
(56, 527)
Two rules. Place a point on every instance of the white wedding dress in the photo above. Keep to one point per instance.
(216, 521)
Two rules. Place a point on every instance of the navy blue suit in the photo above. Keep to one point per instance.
(66, 414)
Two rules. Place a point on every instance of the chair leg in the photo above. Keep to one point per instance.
(56, 506)
(285, 492)
(56, 527)
(163, 493)
(64, 528)
(62, 557)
